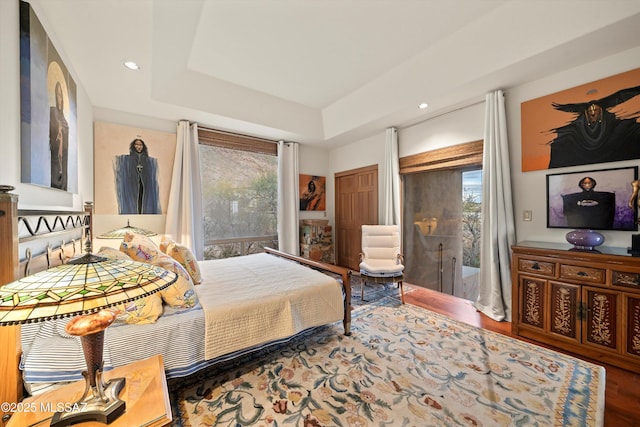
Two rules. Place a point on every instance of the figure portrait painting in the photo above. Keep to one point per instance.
(598, 122)
(312, 193)
(134, 174)
(58, 133)
(48, 110)
(596, 200)
(589, 208)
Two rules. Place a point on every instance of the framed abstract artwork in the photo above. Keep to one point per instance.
(597, 199)
(597, 122)
(313, 193)
(48, 110)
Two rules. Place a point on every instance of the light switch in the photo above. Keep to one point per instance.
(526, 215)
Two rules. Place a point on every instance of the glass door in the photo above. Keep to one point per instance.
(441, 230)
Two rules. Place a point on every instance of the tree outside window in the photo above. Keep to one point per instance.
(239, 190)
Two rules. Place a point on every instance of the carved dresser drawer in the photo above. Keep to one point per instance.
(583, 274)
(624, 278)
(537, 267)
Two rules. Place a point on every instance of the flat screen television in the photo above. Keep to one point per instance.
(603, 199)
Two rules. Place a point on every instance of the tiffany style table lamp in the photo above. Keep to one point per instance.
(119, 233)
(85, 288)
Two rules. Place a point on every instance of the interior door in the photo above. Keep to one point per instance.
(356, 204)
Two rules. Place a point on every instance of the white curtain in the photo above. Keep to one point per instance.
(391, 180)
(498, 231)
(288, 203)
(184, 215)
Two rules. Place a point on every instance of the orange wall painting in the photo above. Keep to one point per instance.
(312, 192)
(612, 133)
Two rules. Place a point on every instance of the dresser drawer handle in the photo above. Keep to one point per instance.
(535, 266)
(582, 274)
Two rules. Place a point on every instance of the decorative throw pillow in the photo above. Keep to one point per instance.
(180, 294)
(139, 247)
(140, 311)
(184, 256)
(143, 310)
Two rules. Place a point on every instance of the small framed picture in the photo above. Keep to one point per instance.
(312, 192)
(598, 200)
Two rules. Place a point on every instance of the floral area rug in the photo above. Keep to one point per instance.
(402, 366)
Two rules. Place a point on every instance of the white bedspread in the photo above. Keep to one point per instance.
(259, 298)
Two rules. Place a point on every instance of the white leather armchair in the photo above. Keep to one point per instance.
(381, 260)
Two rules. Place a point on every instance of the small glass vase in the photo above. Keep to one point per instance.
(585, 240)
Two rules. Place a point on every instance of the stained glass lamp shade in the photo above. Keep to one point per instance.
(119, 233)
(85, 287)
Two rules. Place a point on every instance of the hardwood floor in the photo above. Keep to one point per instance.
(622, 394)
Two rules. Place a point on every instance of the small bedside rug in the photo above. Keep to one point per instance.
(402, 366)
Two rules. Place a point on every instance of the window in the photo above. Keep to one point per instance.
(471, 217)
(471, 233)
(239, 193)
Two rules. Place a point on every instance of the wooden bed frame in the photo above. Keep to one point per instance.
(19, 228)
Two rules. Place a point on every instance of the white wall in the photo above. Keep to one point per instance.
(457, 127)
(366, 152)
(529, 188)
(315, 161)
(467, 124)
(312, 161)
(104, 223)
(33, 196)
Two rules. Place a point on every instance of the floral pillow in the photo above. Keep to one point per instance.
(139, 247)
(180, 294)
(143, 310)
(140, 311)
(184, 256)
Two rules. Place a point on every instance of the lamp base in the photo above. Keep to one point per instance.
(100, 401)
(93, 407)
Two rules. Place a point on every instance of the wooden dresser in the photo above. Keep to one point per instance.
(585, 302)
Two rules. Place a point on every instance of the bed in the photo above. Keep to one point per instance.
(243, 304)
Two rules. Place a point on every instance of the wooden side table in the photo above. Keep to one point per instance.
(145, 394)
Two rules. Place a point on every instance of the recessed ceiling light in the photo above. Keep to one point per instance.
(423, 106)
(131, 65)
